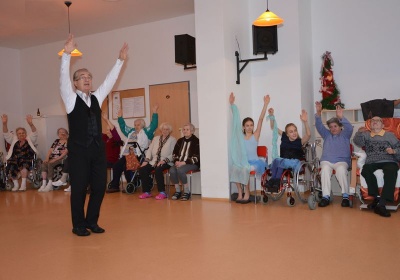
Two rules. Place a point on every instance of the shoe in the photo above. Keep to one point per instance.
(161, 196)
(41, 187)
(345, 202)
(67, 189)
(112, 190)
(59, 183)
(185, 196)
(324, 202)
(373, 204)
(239, 201)
(49, 187)
(81, 231)
(145, 195)
(22, 188)
(96, 229)
(245, 201)
(382, 211)
(176, 196)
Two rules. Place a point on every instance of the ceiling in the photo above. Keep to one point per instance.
(27, 23)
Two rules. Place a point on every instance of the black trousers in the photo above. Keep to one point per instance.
(118, 168)
(389, 178)
(87, 167)
(145, 175)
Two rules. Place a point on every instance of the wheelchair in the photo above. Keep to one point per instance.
(34, 175)
(135, 182)
(305, 183)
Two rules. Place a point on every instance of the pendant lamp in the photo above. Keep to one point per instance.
(75, 52)
(267, 19)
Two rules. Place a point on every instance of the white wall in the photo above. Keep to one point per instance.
(363, 38)
(10, 90)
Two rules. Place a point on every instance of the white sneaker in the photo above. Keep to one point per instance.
(22, 188)
(15, 188)
(42, 187)
(49, 187)
(68, 189)
(59, 183)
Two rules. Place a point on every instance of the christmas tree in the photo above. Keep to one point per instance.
(329, 90)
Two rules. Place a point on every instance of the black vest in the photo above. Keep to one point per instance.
(85, 123)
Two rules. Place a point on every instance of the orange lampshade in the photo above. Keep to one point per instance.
(75, 52)
(267, 19)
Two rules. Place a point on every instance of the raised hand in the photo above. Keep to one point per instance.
(4, 118)
(123, 53)
(29, 119)
(339, 112)
(318, 107)
(271, 111)
(119, 113)
(304, 116)
(70, 44)
(267, 99)
(232, 98)
(155, 109)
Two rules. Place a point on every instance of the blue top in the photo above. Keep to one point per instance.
(336, 147)
(251, 148)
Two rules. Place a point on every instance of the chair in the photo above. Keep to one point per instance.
(358, 184)
(262, 152)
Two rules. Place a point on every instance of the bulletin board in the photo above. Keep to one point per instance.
(131, 101)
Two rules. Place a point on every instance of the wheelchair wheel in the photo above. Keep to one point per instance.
(57, 172)
(304, 182)
(130, 188)
(291, 201)
(312, 202)
(264, 199)
(9, 185)
(109, 186)
(284, 184)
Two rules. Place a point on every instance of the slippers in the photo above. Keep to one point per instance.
(161, 196)
(145, 195)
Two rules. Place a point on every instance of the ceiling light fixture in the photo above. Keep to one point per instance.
(75, 52)
(267, 19)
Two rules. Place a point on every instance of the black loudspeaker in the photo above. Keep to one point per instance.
(265, 39)
(185, 49)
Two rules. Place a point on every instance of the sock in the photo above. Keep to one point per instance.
(44, 183)
(64, 177)
(186, 188)
(23, 183)
(346, 196)
(177, 188)
(16, 184)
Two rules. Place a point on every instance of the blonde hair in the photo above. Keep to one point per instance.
(167, 125)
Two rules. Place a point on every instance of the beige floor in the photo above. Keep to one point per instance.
(199, 239)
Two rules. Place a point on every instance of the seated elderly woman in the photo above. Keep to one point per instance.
(21, 152)
(186, 157)
(55, 156)
(112, 141)
(139, 134)
(158, 159)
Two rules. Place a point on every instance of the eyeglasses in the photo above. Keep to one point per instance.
(376, 120)
(84, 78)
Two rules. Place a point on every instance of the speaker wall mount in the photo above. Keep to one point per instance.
(265, 41)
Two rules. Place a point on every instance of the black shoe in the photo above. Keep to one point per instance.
(81, 231)
(382, 211)
(245, 201)
(324, 202)
(345, 202)
(373, 204)
(176, 196)
(96, 229)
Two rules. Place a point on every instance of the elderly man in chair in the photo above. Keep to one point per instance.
(382, 149)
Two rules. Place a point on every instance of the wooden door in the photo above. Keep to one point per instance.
(174, 104)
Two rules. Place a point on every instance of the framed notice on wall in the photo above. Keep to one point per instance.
(131, 102)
